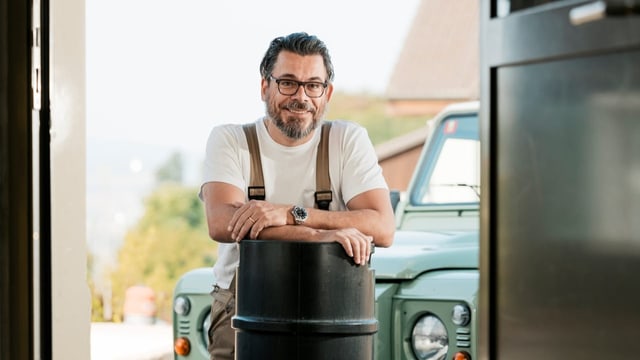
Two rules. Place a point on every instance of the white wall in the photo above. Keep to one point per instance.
(70, 294)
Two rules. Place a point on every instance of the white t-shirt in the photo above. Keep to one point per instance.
(289, 172)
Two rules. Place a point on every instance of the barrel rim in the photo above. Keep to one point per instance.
(350, 326)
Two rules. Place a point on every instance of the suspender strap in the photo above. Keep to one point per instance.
(256, 184)
(323, 195)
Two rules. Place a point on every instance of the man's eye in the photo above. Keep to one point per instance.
(287, 83)
(314, 86)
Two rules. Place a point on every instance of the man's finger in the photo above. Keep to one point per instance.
(356, 250)
(346, 244)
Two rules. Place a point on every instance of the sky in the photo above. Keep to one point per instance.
(165, 72)
(162, 73)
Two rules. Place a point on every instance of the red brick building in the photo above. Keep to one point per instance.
(438, 65)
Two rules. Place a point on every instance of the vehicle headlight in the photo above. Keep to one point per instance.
(429, 339)
(461, 315)
(181, 305)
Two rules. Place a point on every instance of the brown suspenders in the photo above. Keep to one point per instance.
(256, 183)
(323, 194)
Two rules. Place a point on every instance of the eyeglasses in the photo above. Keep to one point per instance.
(288, 87)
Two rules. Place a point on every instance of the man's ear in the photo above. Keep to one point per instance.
(264, 87)
(329, 91)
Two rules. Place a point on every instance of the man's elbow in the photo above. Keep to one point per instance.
(219, 235)
(386, 239)
(387, 231)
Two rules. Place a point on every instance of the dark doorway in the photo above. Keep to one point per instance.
(561, 143)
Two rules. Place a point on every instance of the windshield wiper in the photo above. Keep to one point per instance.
(475, 188)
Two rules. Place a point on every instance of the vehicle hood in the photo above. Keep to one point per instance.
(416, 252)
(196, 281)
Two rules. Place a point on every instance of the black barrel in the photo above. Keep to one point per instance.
(300, 300)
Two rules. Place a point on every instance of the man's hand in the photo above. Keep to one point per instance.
(253, 217)
(356, 244)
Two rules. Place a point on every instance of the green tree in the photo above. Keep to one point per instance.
(169, 240)
(96, 295)
(172, 170)
(370, 112)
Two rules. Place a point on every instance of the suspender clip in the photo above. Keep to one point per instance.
(323, 199)
(256, 193)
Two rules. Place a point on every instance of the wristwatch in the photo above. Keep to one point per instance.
(299, 214)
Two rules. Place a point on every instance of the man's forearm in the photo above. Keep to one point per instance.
(218, 221)
(368, 221)
(355, 243)
(289, 233)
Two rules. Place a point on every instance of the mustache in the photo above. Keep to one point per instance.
(299, 106)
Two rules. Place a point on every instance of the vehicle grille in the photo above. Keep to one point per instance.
(463, 337)
(184, 326)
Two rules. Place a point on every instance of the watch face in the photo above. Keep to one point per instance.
(299, 213)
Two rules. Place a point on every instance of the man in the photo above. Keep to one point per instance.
(296, 86)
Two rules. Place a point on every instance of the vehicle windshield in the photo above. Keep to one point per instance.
(451, 172)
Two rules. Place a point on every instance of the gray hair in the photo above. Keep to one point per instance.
(299, 43)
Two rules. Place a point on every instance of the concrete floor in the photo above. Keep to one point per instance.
(110, 341)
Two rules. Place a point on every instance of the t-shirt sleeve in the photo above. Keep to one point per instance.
(361, 171)
(223, 161)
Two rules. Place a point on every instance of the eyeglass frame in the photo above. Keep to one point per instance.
(300, 83)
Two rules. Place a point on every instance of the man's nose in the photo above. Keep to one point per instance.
(300, 92)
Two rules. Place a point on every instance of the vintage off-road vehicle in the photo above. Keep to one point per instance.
(426, 285)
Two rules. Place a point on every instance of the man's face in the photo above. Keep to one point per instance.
(296, 115)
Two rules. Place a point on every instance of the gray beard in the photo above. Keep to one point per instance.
(292, 129)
